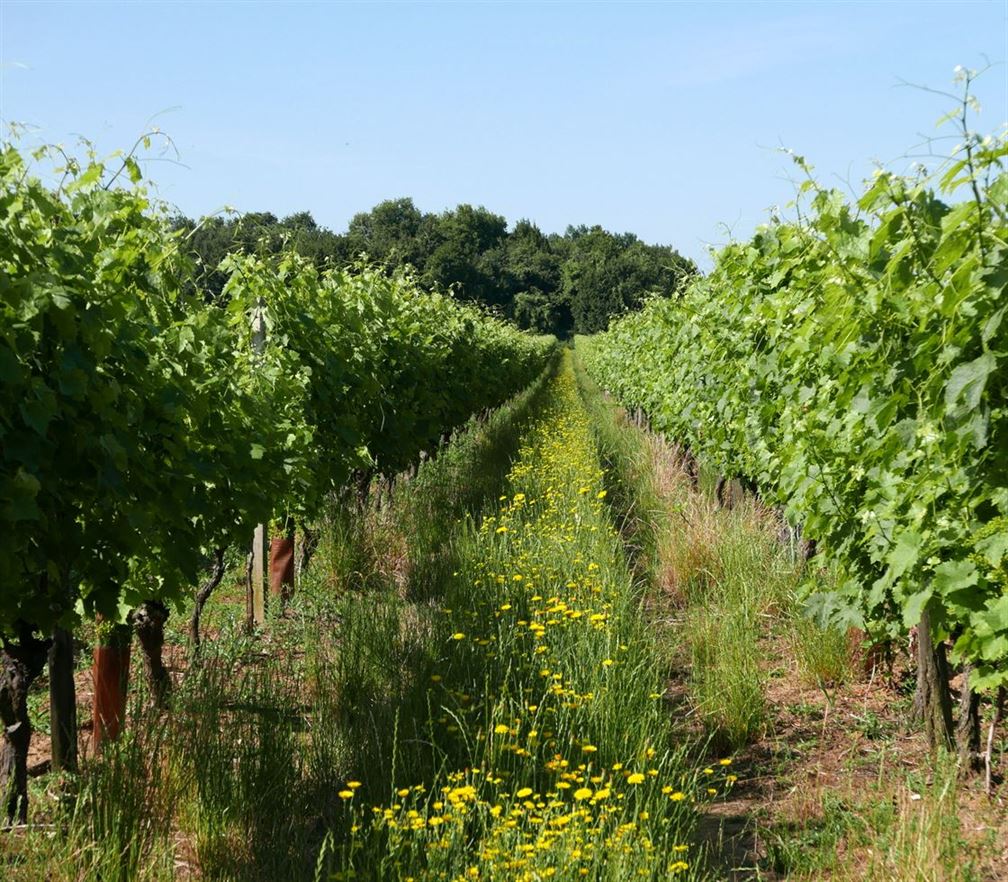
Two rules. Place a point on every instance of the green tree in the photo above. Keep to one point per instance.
(606, 275)
(468, 256)
(394, 233)
(533, 279)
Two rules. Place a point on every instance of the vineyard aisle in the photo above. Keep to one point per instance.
(559, 759)
(466, 684)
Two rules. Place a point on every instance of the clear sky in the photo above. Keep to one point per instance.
(656, 118)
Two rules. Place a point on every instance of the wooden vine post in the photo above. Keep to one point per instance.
(257, 597)
(257, 592)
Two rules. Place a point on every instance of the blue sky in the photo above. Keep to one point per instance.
(658, 118)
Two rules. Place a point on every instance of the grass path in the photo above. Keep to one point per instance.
(559, 758)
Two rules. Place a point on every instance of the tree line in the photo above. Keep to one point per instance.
(556, 284)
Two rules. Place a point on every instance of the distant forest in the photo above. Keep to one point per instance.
(558, 284)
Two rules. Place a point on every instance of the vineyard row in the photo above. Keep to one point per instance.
(851, 364)
(144, 427)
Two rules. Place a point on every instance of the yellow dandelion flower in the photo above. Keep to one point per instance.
(582, 793)
(635, 778)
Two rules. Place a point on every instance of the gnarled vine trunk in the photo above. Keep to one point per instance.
(203, 595)
(692, 467)
(989, 752)
(363, 481)
(148, 621)
(20, 665)
(309, 545)
(750, 486)
(933, 701)
(720, 492)
(62, 701)
(968, 725)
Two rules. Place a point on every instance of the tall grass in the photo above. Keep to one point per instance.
(823, 654)
(633, 499)
(727, 580)
(550, 753)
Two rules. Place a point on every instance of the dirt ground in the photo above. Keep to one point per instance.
(851, 747)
